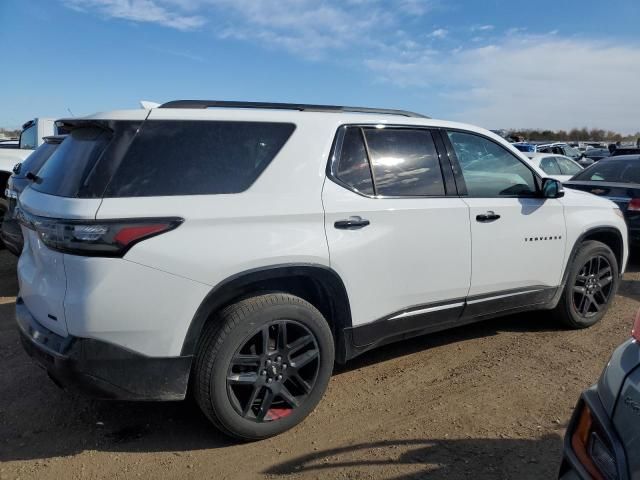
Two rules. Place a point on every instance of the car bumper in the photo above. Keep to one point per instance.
(571, 467)
(100, 369)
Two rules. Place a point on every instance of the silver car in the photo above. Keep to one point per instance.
(603, 437)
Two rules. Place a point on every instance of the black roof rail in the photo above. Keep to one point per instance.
(285, 106)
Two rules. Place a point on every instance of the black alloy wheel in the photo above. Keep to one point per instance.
(593, 286)
(274, 371)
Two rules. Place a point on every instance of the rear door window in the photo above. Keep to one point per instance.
(197, 157)
(404, 162)
(353, 167)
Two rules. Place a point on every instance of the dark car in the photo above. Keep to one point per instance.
(23, 174)
(603, 437)
(618, 179)
(596, 154)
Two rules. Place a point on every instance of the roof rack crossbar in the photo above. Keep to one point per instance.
(285, 106)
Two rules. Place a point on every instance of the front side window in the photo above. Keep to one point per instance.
(567, 167)
(490, 170)
(549, 166)
(404, 162)
(28, 139)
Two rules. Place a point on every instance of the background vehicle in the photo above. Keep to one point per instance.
(596, 154)
(23, 174)
(555, 166)
(603, 437)
(618, 179)
(31, 137)
(253, 245)
(525, 147)
(566, 150)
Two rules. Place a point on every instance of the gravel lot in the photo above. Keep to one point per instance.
(486, 401)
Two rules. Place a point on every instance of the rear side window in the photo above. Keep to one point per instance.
(34, 162)
(404, 162)
(353, 167)
(68, 167)
(197, 157)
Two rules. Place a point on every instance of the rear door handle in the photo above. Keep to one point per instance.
(352, 223)
(489, 216)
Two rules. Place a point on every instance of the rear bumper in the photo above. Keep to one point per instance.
(100, 369)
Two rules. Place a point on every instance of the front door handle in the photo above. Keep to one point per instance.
(489, 216)
(352, 223)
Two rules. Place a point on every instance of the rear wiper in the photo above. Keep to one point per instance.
(33, 177)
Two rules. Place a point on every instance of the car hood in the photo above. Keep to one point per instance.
(9, 157)
(585, 199)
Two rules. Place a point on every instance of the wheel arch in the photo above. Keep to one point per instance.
(318, 284)
(610, 236)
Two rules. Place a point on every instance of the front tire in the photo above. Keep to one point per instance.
(591, 285)
(263, 365)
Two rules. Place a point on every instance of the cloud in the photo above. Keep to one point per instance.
(482, 28)
(531, 81)
(439, 33)
(147, 11)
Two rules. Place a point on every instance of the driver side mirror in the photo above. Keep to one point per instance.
(552, 188)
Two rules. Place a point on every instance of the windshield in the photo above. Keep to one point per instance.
(28, 140)
(570, 151)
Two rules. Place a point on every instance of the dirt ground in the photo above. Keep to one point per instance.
(486, 401)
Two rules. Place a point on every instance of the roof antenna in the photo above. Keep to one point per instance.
(70, 112)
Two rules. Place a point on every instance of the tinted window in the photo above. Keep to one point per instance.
(567, 167)
(197, 157)
(489, 170)
(33, 163)
(353, 167)
(549, 165)
(404, 162)
(28, 138)
(612, 171)
(68, 167)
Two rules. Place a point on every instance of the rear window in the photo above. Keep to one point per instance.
(620, 171)
(197, 157)
(69, 166)
(33, 163)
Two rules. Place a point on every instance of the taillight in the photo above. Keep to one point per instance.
(101, 238)
(634, 205)
(591, 449)
(635, 332)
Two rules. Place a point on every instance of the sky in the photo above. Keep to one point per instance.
(553, 64)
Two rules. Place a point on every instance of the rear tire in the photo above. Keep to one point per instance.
(591, 285)
(263, 365)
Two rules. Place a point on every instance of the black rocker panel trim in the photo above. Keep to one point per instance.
(439, 316)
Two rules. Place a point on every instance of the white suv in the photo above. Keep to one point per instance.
(240, 249)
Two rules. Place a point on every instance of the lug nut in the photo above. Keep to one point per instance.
(278, 359)
(263, 373)
(269, 362)
(279, 377)
(284, 366)
(269, 380)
